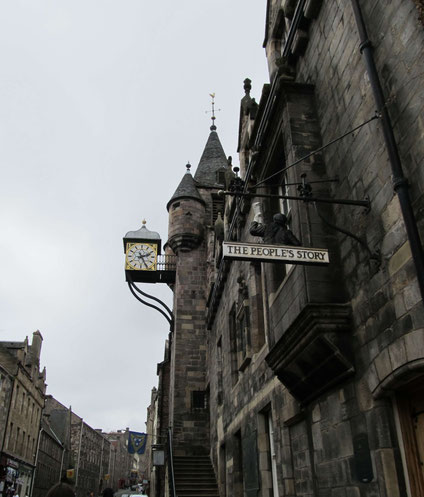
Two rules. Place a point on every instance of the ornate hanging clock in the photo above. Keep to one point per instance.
(142, 248)
(141, 256)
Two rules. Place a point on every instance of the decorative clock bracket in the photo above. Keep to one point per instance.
(145, 264)
(165, 310)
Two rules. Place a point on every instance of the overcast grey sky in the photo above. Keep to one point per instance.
(102, 103)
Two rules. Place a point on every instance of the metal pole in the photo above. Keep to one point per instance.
(36, 462)
(79, 456)
(400, 183)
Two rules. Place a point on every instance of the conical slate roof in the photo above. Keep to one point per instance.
(213, 159)
(186, 189)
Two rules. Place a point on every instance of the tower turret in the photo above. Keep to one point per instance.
(186, 216)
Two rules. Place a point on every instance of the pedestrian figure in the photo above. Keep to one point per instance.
(108, 492)
(61, 490)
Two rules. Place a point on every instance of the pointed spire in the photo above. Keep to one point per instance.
(212, 162)
(186, 189)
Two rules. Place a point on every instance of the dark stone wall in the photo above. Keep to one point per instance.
(188, 351)
(322, 446)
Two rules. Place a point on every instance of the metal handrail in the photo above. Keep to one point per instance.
(172, 490)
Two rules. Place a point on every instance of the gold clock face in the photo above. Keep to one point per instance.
(141, 256)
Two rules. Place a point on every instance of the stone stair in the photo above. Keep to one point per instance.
(194, 477)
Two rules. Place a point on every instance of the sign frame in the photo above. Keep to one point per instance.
(286, 254)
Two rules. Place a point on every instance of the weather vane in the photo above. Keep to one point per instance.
(213, 127)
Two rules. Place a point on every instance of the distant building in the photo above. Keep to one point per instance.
(50, 458)
(59, 419)
(22, 412)
(121, 461)
(86, 458)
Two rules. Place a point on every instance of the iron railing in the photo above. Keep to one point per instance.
(171, 478)
(166, 262)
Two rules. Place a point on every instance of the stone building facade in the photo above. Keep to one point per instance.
(50, 458)
(86, 461)
(89, 449)
(22, 412)
(302, 380)
(121, 461)
(6, 387)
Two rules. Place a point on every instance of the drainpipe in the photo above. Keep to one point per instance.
(36, 461)
(400, 183)
(61, 463)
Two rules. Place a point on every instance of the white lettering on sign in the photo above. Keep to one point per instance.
(274, 253)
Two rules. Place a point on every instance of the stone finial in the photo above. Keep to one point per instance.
(188, 167)
(247, 86)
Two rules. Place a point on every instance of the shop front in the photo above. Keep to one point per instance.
(15, 478)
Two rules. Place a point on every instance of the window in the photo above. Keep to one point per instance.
(18, 433)
(233, 345)
(239, 328)
(243, 326)
(9, 436)
(198, 399)
(258, 303)
(238, 484)
(243, 337)
(217, 206)
(23, 447)
(219, 371)
(15, 402)
(285, 204)
(280, 186)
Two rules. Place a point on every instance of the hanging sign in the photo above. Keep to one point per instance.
(275, 253)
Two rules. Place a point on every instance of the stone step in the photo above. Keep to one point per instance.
(194, 477)
(197, 492)
(196, 483)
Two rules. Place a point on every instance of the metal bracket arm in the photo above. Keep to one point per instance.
(360, 203)
(167, 315)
